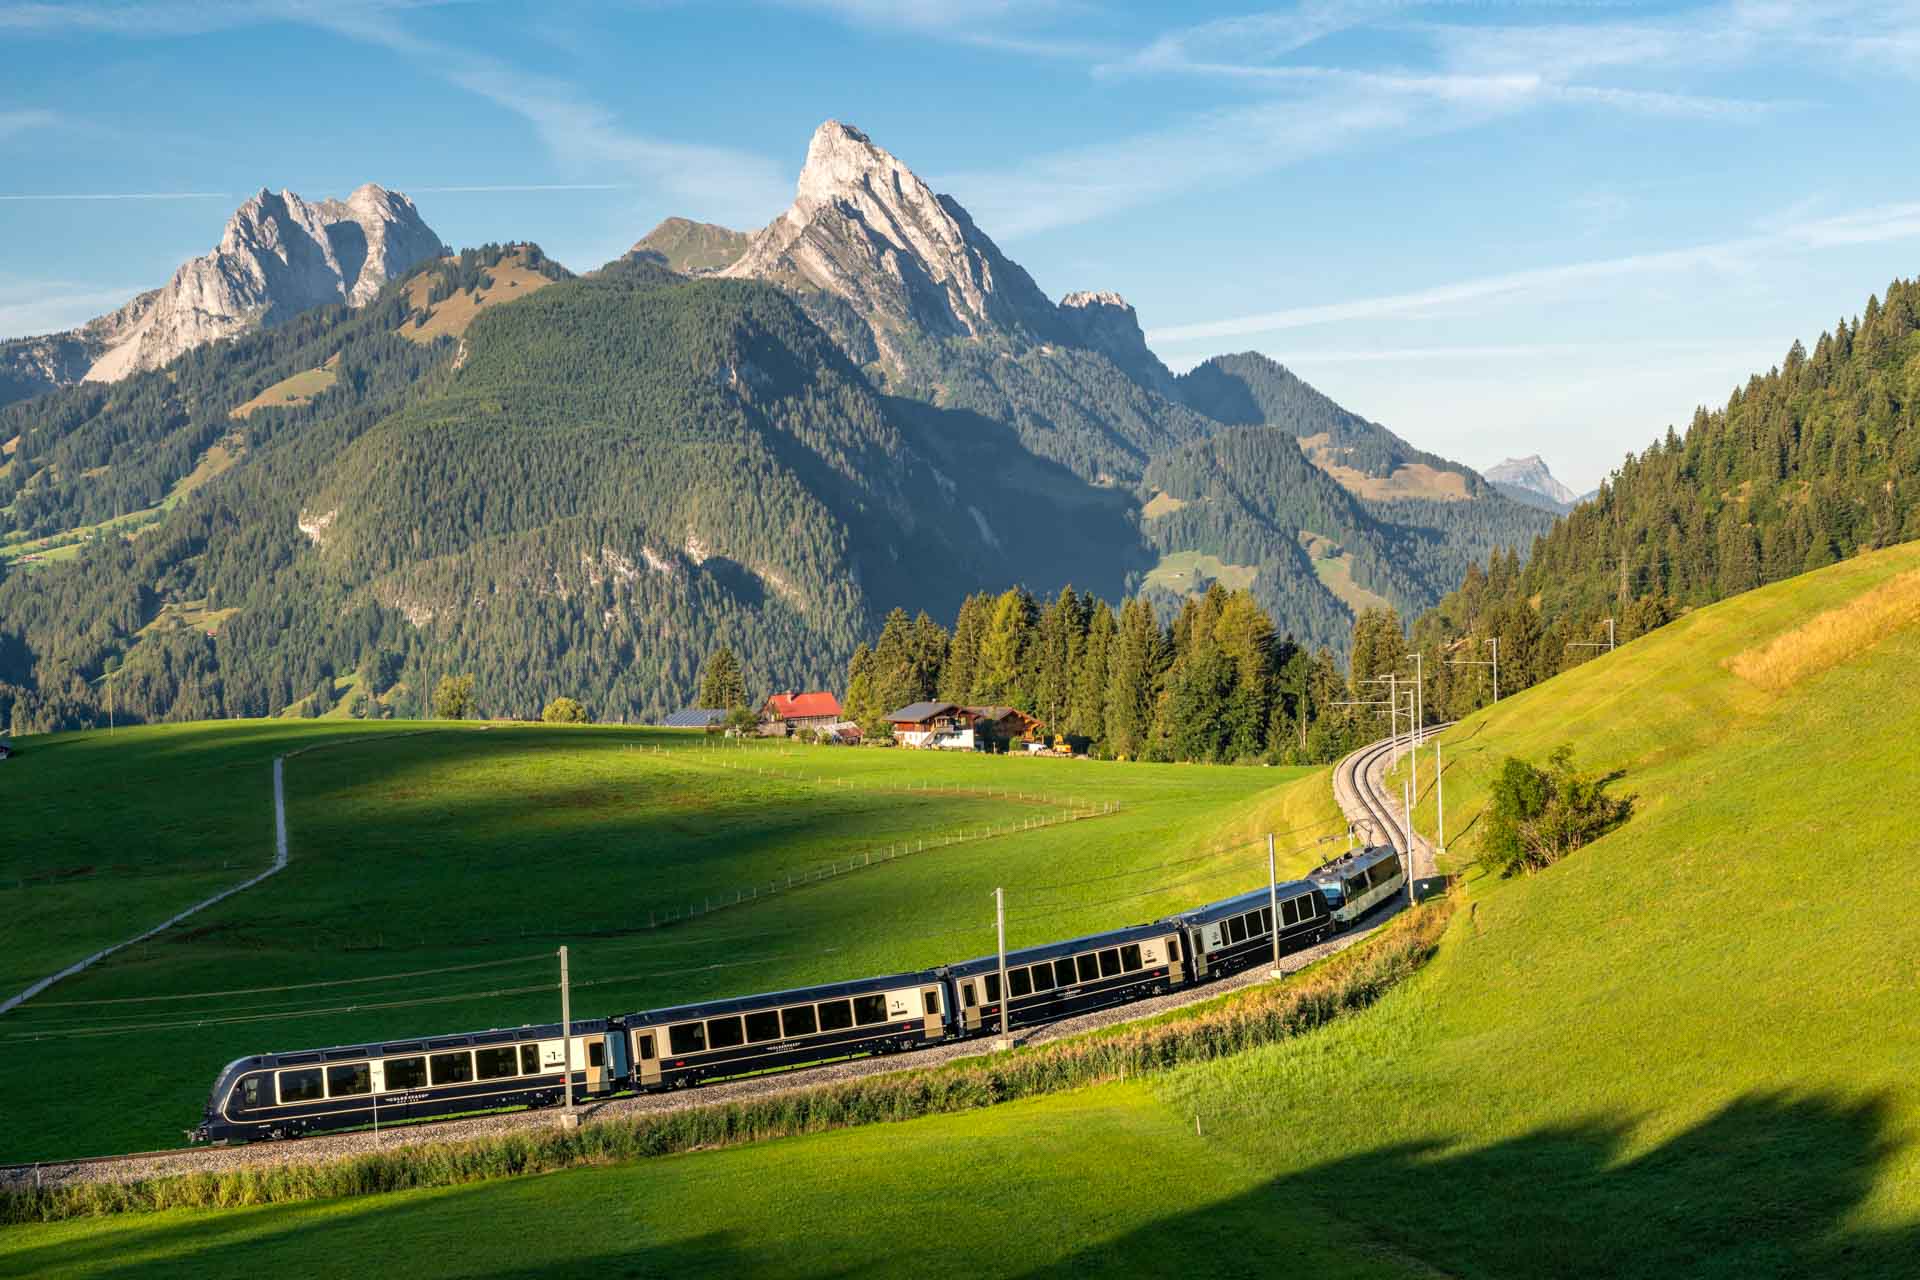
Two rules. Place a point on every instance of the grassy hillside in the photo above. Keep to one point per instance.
(460, 846)
(1685, 1050)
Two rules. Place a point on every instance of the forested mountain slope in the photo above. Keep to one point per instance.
(581, 495)
(1807, 464)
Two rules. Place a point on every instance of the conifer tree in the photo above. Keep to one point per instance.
(722, 688)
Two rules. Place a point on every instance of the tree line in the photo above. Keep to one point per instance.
(1216, 683)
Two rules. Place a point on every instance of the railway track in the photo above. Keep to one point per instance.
(1356, 789)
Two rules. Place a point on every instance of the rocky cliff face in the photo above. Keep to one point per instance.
(1106, 322)
(1531, 475)
(864, 228)
(279, 256)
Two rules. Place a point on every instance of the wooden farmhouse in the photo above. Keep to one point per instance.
(946, 726)
(783, 714)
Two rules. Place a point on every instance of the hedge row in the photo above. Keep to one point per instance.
(1244, 1020)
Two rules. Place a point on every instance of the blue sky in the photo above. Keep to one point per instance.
(1500, 228)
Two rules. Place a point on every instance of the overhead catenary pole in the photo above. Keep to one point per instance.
(1406, 807)
(1439, 799)
(1273, 903)
(1006, 996)
(568, 1119)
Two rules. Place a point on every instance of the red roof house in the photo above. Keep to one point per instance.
(818, 710)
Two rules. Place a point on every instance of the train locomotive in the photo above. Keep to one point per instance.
(290, 1095)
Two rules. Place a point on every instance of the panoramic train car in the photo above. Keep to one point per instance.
(1227, 936)
(1064, 978)
(1356, 883)
(286, 1095)
(683, 1045)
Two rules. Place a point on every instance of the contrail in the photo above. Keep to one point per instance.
(129, 195)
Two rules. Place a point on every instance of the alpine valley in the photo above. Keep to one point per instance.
(330, 462)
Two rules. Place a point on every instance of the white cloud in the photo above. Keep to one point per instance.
(54, 306)
(1871, 226)
(14, 122)
(119, 195)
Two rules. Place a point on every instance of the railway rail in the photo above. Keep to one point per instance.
(1357, 789)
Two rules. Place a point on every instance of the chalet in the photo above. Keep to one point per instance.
(940, 726)
(1003, 725)
(785, 713)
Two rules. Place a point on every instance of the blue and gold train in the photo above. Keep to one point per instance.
(287, 1095)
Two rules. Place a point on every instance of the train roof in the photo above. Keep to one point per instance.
(1244, 902)
(1348, 863)
(1054, 950)
(772, 999)
(424, 1044)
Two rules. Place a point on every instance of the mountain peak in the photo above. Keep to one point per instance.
(1530, 474)
(1105, 321)
(864, 227)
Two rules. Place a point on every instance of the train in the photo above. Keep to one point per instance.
(275, 1096)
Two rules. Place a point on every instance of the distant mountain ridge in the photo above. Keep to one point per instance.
(278, 256)
(1528, 480)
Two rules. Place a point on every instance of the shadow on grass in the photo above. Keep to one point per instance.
(1768, 1186)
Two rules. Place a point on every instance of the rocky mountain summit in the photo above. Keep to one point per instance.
(279, 255)
(864, 228)
(1528, 480)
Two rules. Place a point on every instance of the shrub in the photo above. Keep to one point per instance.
(565, 711)
(1538, 817)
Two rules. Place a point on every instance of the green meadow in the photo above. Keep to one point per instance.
(426, 850)
(1685, 1050)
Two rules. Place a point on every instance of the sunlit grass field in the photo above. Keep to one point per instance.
(415, 849)
(1687, 1050)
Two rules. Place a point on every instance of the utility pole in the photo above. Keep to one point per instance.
(1006, 995)
(1406, 807)
(568, 1120)
(1595, 644)
(1482, 662)
(1440, 797)
(1273, 903)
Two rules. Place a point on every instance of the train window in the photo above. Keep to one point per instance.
(406, 1073)
(1289, 913)
(1173, 950)
(1109, 962)
(800, 1021)
(1020, 982)
(1130, 956)
(349, 1080)
(967, 997)
(1042, 978)
(1237, 929)
(992, 984)
(529, 1059)
(688, 1037)
(869, 1010)
(1266, 919)
(835, 1015)
(302, 1086)
(764, 1025)
(1063, 975)
(1088, 966)
(931, 999)
(1355, 888)
(597, 1053)
(452, 1068)
(252, 1092)
(496, 1064)
(646, 1047)
(724, 1033)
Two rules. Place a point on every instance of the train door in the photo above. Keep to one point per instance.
(646, 1060)
(934, 1025)
(590, 1058)
(969, 1005)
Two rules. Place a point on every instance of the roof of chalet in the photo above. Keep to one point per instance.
(694, 718)
(920, 712)
(791, 705)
